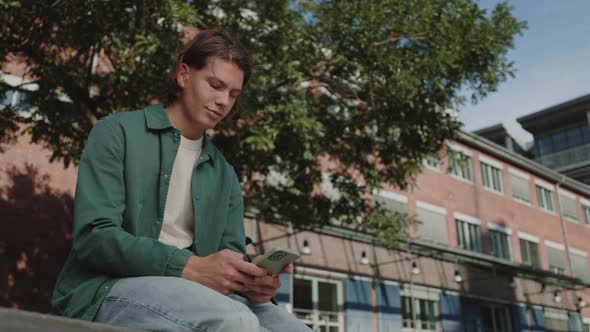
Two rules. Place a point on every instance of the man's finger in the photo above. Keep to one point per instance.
(233, 286)
(249, 268)
(268, 281)
(244, 278)
(260, 290)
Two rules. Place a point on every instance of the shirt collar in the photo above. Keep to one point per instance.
(157, 119)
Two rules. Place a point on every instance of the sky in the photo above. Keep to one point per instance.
(552, 60)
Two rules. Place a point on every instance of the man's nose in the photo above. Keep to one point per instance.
(222, 99)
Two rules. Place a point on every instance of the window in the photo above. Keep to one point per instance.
(586, 211)
(433, 162)
(495, 318)
(568, 206)
(460, 165)
(529, 251)
(419, 314)
(520, 188)
(433, 223)
(7, 98)
(318, 302)
(557, 269)
(391, 201)
(556, 320)
(579, 265)
(545, 198)
(468, 236)
(491, 177)
(500, 243)
(556, 255)
(16, 98)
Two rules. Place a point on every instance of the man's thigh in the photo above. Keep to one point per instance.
(173, 304)
(274, 318)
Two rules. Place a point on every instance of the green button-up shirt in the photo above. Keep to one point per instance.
(123, 181)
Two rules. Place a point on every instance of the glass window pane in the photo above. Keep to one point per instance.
(460, 239)
(560, 141)
(534, 253)
(302, 294)
(586, 134)
(327, 297)
(549, 199)
(539, 196)
(406, 311)
(477, 238)
(423, 314)
(7, 98)
(432, 315)
(486, 318)
(574, 137)
(586, 214)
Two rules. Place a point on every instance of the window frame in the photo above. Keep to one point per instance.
(563, 196)
(455, 170)
(492, 178)
(493, 306)
(506, 233)
(433, 162)
(545, 198)
(555, 315)
(533, 260)
(525, 177)
(315, 313)
(465, 225)
(586, 213)
(416, 294)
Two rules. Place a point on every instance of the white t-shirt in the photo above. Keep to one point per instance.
(178, 228)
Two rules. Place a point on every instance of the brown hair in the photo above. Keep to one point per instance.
(206, 44)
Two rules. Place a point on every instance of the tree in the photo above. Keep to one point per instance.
(89, 59)
(348, 95)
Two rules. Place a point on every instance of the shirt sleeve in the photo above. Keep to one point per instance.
(99, 240)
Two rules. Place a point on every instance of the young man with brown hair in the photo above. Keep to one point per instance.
(159, 239)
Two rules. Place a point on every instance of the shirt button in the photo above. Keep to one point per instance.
(165, 176)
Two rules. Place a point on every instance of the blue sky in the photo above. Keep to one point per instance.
(552, 59)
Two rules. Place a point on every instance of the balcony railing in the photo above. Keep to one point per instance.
(578, 155)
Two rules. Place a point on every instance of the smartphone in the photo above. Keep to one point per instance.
(276, 259)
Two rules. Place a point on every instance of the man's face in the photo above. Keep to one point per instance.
(208, 94)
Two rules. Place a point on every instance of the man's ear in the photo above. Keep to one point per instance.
(182, 75)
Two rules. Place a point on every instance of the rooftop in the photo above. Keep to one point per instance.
(568, 112)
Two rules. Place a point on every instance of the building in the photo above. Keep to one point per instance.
(500, 135)
(562, 137)
(502, 246)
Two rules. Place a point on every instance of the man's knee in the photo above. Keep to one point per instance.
(240, 320)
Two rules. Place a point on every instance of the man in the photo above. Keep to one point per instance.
(159, 238)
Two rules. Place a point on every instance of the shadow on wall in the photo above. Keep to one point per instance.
(35, 238)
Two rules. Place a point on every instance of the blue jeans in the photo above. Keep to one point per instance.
(176, 304)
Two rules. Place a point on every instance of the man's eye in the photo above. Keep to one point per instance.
(215, 85)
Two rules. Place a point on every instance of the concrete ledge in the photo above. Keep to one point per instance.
(12, 320)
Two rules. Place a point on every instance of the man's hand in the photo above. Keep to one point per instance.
(262, 289)
(224, 271)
